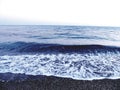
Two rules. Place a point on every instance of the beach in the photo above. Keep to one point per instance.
(29, 82)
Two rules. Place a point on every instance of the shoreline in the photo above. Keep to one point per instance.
(29, 82)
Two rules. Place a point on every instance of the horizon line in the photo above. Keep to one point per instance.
(58, 25)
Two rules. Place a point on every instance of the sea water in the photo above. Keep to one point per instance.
(78, 52)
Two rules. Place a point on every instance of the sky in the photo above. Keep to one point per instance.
(60, 12)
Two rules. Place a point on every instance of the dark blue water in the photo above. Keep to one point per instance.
(78, 52)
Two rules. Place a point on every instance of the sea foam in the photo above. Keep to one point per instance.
(77, 66)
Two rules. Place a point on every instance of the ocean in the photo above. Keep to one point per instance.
(77, 52)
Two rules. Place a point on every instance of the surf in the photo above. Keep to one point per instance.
(81, 66)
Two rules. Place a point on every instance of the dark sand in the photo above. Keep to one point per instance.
(23, 82)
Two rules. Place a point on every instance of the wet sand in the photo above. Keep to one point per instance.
(23, 82)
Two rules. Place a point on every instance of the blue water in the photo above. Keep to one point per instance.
(78, 52)
(75, 35)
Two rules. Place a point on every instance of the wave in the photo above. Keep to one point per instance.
(23, 47)
(77, 66)
(85, 62)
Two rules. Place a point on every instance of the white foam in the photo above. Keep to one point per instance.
(77, 66)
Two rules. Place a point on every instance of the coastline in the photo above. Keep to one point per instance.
(29, 82)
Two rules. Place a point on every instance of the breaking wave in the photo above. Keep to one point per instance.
(23, 47)
(85, 62)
